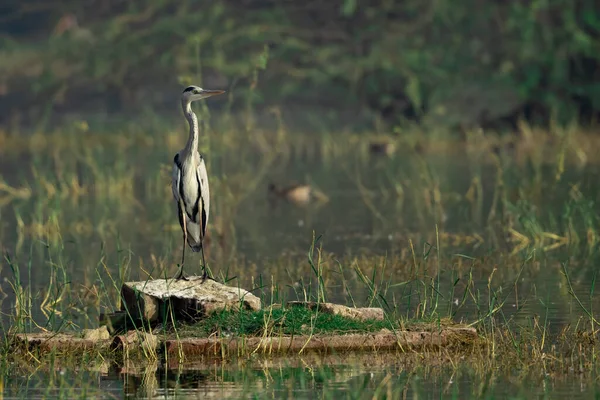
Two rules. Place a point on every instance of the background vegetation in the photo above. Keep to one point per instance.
(433, 61)
(498, 231)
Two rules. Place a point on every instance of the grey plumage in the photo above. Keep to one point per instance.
(190, 181)
(194, 190)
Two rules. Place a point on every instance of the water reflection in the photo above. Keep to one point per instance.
(311, 377)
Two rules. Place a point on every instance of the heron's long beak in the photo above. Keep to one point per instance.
(208, 92)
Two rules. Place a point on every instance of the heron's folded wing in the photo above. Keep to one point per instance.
(176, 178)
(204, 193)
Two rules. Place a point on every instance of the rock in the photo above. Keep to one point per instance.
(51, 341)
(132, 340)
(96, 334)
(361, 313)
(187, 299)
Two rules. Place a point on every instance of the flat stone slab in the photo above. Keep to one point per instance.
(50, 341)
(133, 340)
(192, 299)
(402, 341)
(191, 348)
(359, 313)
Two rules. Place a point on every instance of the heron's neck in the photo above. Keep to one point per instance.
(192, 143)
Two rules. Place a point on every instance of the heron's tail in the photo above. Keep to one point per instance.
(194, 236)
(195, 246)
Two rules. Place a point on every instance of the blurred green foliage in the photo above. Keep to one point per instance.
(436, 61)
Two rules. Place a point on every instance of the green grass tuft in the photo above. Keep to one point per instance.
(282, 321)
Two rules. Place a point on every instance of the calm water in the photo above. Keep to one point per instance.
(70, 244)
(356, 381)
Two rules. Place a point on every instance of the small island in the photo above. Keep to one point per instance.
(191, 319)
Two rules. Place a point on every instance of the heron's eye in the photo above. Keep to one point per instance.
(196, 91)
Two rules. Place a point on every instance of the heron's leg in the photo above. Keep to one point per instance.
(204, 270)
(184, 241)
(184, 226)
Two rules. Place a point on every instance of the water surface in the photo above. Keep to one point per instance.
(92, 219)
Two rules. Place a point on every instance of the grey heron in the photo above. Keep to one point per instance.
(190, 181)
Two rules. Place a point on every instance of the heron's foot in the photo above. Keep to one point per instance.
(180, 275)
(205, 275)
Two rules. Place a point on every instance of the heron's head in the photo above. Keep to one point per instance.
(193, 93)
